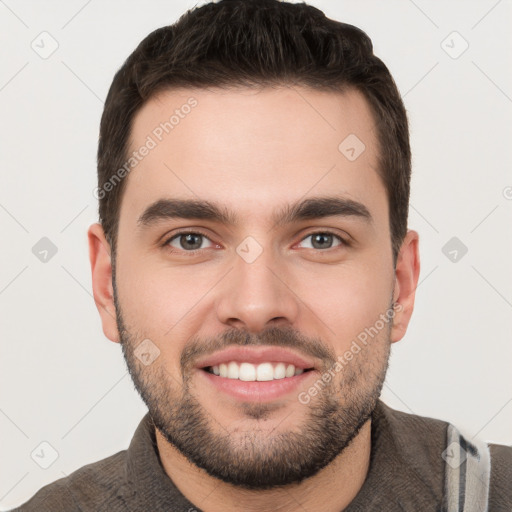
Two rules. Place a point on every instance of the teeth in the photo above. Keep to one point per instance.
(264, 371)
(261, 372)
(233, 371)
(247, 372)
(290, 371)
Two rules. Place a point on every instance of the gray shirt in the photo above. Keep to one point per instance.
(406, 473)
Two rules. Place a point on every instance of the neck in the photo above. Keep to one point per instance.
(330, 490)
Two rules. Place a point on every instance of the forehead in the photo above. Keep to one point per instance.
(253, 149)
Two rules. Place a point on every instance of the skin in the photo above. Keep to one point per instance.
(253, 152)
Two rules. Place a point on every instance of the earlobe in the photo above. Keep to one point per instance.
(406, 280)
(101, 269)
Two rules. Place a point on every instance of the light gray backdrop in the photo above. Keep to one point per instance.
(65, 385)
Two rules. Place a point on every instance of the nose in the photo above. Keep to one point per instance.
(255, 294)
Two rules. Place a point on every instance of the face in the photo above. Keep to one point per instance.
(256, 273)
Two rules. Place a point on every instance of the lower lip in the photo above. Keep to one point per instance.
(257, 391)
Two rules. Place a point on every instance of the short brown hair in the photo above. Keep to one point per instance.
(256, 43)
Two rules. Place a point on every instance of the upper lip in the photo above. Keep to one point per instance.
(256, 355)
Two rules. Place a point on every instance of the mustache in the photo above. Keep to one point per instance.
(272, 336)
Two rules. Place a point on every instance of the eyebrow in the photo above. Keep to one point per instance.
(307, 209)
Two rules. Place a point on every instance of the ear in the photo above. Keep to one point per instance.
(406, 280)
(101, 268)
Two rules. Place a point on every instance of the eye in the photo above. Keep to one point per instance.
(188, 241)
(192, 241)
(323, 240)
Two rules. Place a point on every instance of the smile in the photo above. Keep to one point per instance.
(251, 372)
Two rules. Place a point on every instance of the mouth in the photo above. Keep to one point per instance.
(257, 374)
(263, 383)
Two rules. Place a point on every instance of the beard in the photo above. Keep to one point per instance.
(258, 459)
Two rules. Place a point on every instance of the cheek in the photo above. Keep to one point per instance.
(348, 299)
(151, 301)
(158, 305)
(161, 300)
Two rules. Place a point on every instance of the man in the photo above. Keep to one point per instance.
(253, 260)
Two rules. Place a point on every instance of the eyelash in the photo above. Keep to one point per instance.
(165, 245)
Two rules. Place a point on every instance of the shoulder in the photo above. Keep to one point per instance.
(97, 486)
(417, 438)
(416, 443)
(423, 442)
(500, 490)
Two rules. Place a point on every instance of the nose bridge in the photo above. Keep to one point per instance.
(255, 292)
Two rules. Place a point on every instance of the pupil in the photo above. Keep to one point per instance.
(189, 238)
(321, 236)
